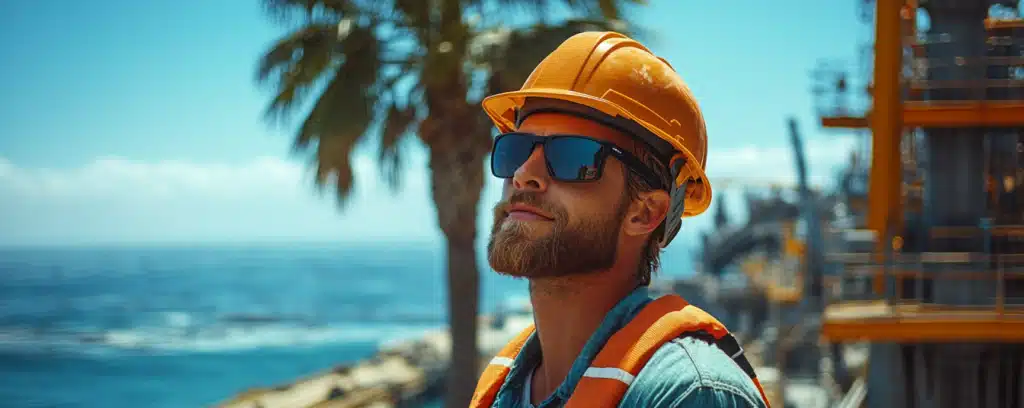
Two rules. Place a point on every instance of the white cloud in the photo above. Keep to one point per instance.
(733, 170)
(776, 163)
(127, 178)
(6, 167)
(114, 199)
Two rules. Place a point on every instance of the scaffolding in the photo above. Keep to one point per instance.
(944, 273)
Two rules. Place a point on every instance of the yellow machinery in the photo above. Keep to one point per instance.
(943, 307)
(781, 279)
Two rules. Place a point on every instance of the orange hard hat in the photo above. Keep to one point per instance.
(614, 75)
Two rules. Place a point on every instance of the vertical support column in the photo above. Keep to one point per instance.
(884, 214)
(886, 376)
(955, 193)
(954, 188)
(922, 398)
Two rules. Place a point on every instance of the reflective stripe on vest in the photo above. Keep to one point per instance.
(624, 354)
(494, 374)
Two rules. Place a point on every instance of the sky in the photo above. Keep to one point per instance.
(139, 122)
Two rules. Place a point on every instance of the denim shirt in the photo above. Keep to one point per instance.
(684, 373)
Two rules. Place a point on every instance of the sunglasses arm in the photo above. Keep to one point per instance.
(677, 193)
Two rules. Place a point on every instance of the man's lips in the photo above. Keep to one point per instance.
(524, 212)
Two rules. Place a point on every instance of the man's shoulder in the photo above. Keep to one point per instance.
(690, 372)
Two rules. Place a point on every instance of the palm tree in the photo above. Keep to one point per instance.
(416, 67)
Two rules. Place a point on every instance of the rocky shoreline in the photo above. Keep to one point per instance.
(400, 374)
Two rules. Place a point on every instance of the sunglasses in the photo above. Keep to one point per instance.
(569, 158)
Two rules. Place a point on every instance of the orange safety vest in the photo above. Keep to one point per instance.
(625, 353)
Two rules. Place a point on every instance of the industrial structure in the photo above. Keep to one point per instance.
(943, 303)
(916, 260)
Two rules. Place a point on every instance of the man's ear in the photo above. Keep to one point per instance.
(646, 212)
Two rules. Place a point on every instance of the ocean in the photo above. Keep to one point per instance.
(181, 326)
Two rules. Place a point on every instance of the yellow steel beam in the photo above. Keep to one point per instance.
(844, 122)
(995, 24)
(925, 330)
(886, 126)
(920, 323)
(946, 114)
(964, 114)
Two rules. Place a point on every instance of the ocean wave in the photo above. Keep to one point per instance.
(160, 340)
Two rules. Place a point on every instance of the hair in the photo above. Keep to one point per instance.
(650, 256)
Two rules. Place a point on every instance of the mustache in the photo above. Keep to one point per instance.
(527, 198)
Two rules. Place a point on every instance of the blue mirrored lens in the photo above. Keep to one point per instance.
(573, 158)
(510, 152)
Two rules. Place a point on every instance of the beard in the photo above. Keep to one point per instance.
(515, 249)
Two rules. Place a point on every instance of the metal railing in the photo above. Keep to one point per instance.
(932, 79)
(932, 282)
(937, 80)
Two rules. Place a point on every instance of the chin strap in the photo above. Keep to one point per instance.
(677, 204)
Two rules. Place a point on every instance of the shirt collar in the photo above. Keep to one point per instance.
(614, 320)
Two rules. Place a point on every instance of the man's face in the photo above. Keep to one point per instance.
(546, 228)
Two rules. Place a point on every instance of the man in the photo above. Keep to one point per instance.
(603, 152)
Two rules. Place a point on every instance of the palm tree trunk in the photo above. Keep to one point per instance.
(456, 162)
(457, 137)
(463, 288)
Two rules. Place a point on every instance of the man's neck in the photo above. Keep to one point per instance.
(567, 311)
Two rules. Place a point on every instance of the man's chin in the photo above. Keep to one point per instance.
(518, 271)
(510, 256)
(516, 274)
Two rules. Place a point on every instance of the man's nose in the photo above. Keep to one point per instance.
(533, 174)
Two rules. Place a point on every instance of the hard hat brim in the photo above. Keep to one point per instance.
(502, 109)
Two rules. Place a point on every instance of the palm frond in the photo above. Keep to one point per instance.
(612, 9)
(541, 9)
(295, 64)
(344, 111)
(286, 10)
(606, 9)
(511, 55)
(532, 8)
(400, 118)
(290, 5)
(416, 15)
